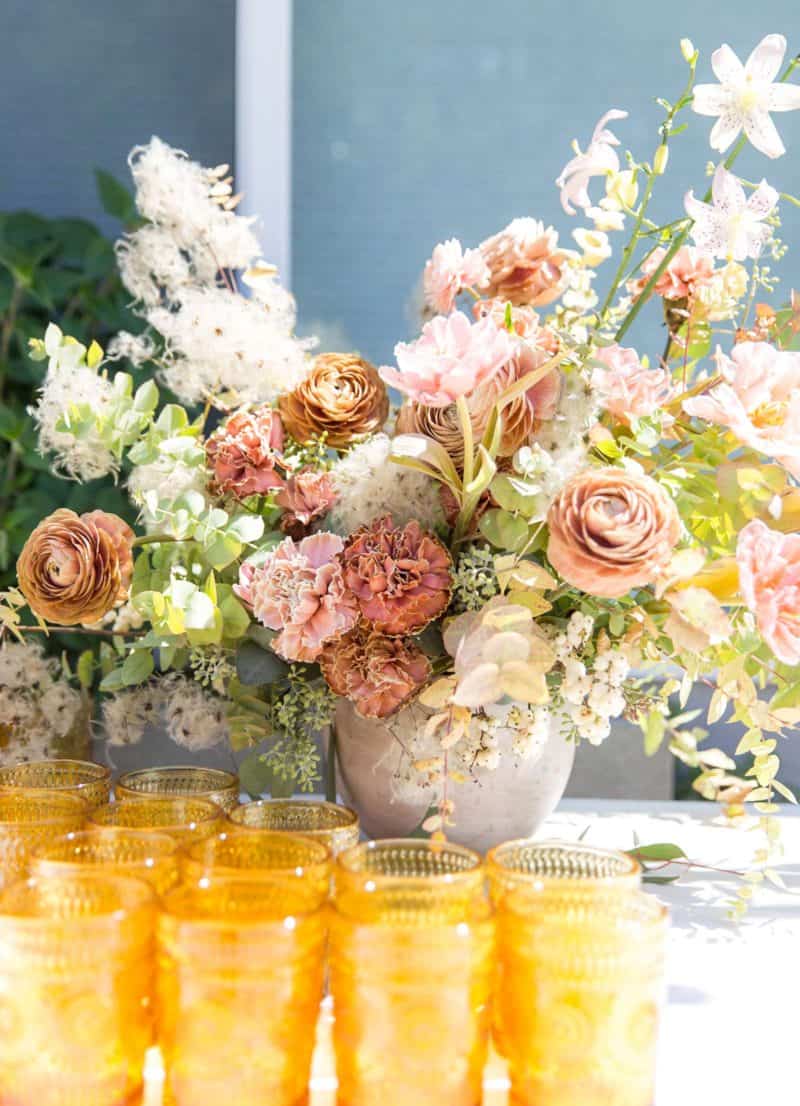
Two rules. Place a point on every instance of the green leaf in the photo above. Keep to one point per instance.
(257, 667)
(255, 775)
(115, 197)
(246, 528)
(654, 729)
(85, 668)
(504, 530)
(137, 667)
(235, 619)
(661, 851)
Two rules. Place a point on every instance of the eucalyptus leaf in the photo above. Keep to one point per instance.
(258, 667)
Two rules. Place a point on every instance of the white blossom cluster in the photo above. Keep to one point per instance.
(38, 706)
(193, 718)
(369, 485)
(500, 729)
(181, 269)
(592, 696)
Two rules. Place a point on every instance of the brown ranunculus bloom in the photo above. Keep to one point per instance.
(342, 397)
(611, 530)
(76, 568)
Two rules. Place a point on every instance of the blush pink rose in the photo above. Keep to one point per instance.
(627, 389)
(758, 400)
(300, 590)
(769, 581)
(449, 270)
(451, 358)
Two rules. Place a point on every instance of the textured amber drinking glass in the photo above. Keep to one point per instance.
(183, 819)
(581, 952)
(153, 857)
(29, 818)
(214, 784)
(411, 945)
(299, 861)
(81, 777)
(336, 826)
(76, 978)
(240, 982)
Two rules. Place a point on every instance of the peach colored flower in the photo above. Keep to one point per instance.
(688, 271)
(342, 397)
(525, 264)
(627, 389)
(449, 270)
(611, 531)
(769, 581)
(758, 400)
(307, 496)
(76, 568)
(401, 577)
(244, 453)
(378, 674)
(696, 620)
(300, 590)
(451, 358)
(524, 320)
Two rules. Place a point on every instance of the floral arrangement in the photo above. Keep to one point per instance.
(549, 513)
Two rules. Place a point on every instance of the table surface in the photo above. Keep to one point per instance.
(729, 1028)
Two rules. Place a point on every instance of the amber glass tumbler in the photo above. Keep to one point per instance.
(185, 820)
(336, 826)
(81, 777)
(76, 978)
(580, 954)
(218, 786)
(302, 862)
(411, 948)
(153, 857)
(29, 818)
(240, 982)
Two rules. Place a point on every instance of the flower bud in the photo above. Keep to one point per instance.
(660, 160)
(688, 50)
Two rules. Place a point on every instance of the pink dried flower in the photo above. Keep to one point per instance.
(769, 580)
(525, 263)
(401, 577)
(626, 388)
(451, 358)
(245, 453)
(758, 400)
(688, 271)
(307, 496)
(378, 674)
(300, 590)
(449, 270)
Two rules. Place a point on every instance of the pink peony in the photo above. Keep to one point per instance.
(300, 590)
(769, 580)
(687, 271)
(451, 358)
(758, 400)
(626, 388)
(244, 453)
(449, 270)
(308, 496)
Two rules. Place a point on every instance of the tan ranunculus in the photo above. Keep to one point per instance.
(611, 530)
(76, 568)
(342, 397)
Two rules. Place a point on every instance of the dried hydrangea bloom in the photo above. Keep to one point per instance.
(378, 674)
(400, 576)
(76, 568)
(244, 454)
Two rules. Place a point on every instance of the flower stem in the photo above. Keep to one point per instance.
(155, 539)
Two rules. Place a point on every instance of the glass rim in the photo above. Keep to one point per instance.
(135, 895)
(211, 810)
(628, 876)
(97, 773)
(160, 843)
(316, 864)
(66, 796)
(345, 816)
(347, 863)
(226, 779)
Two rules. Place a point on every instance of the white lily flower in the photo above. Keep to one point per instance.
(746, 95)
(732, 227)
(599, 159)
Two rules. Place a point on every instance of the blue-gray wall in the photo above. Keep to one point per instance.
(416, 121)
(82, 81)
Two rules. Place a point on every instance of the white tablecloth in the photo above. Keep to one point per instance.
(730, 1028)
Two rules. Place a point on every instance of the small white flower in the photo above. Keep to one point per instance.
(746, 95)
(594, 244)
(599, 159)
(733, 226)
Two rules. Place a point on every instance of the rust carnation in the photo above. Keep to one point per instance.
(244, 454)
(308, 496)
(525, 264)
(343, 397)
(611, 530)
(378, 674)
(75, 568)
(401, 577)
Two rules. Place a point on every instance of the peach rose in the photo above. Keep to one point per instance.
(611, 531)
(769, 580)
(76, 568)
